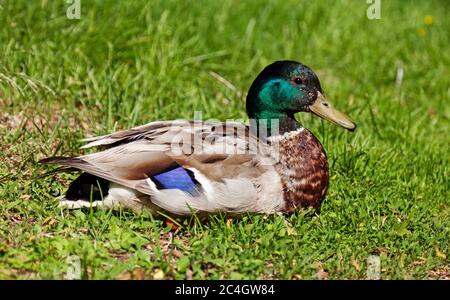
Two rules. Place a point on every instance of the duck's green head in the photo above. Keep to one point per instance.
(284, 88)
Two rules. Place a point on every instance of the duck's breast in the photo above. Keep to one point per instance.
(303, 168)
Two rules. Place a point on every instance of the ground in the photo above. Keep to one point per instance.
(130, 62)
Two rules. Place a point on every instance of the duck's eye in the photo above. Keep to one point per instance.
(298, 80)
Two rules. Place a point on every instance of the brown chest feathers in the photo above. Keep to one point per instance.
(303, 169)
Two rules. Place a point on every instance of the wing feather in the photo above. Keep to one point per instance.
(217, 150)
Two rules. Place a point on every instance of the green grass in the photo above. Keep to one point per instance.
(131, 62)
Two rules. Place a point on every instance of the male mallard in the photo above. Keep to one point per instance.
(273, 165)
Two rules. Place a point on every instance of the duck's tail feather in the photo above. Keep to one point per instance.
(84, 187)
(61, 160)
(88, 187)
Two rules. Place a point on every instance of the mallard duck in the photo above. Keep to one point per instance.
(272, 165)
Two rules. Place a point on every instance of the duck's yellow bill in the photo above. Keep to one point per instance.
(324, 109)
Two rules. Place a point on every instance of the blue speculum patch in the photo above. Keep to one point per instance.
(178, 178)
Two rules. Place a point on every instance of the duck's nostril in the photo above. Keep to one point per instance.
(325, 104)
